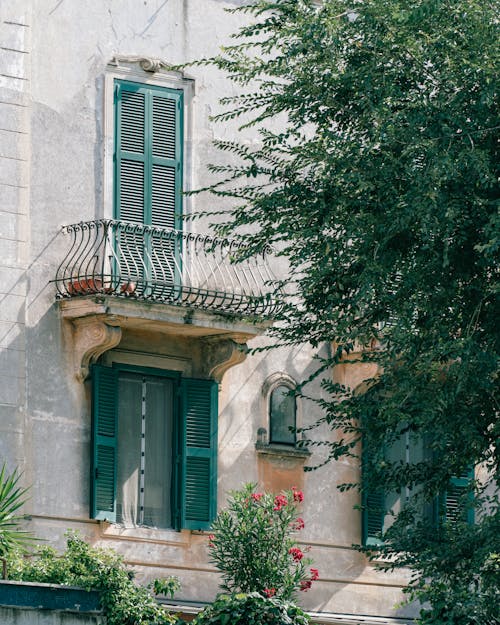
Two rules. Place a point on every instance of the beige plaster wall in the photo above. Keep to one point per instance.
(57, 119)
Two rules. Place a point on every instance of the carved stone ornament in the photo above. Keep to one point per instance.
(221, 355)
(148, 64)
(92, 337)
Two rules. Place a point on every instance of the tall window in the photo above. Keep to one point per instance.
(282, 416)
(379, 507)
(154, 460)
(148, 154)
(148, 181)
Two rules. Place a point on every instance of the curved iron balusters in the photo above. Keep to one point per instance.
(164, 265)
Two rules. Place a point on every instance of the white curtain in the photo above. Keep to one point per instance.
(144, 462)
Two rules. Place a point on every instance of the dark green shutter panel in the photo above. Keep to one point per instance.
(149, 139)
(131, 152)
(104, 425)
(455, 507)
(373, 504)
(373, 517)
(199, 435)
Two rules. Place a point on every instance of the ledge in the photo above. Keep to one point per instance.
(163, 318)
(275, 449)
(97, 324)
(49, 597)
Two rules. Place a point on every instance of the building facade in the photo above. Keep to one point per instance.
(127, 397)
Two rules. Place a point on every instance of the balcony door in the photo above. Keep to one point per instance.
(148, 186)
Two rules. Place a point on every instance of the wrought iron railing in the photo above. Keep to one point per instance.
(132, 260)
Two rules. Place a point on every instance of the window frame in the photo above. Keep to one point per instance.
(182, 515)
(374, 509)
(263, 444)
(130, 70)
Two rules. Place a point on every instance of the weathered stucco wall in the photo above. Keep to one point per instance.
(54, 170)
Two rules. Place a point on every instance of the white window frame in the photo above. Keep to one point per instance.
(131, 69)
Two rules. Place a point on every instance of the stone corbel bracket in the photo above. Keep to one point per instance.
(220, 354)
(92, 336)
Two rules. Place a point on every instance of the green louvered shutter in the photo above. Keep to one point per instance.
(373, 517)
(199, 457)
(453, 498)
(373, 506)
(104, 425)
(148, 180)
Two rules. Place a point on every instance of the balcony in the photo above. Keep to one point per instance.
(161, 265)
(135, 287)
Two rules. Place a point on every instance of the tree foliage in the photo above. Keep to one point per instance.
(376, 177)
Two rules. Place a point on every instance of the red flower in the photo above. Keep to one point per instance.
(314, 575)
(305, 584)
(299, 524)
(257, 496)
(279, 502)
(269, 592)
(298, 495)
(211, 538)
(296, 553)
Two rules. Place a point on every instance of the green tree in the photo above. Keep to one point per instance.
(376, 178)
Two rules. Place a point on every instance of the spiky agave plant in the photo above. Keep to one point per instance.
(12, 497)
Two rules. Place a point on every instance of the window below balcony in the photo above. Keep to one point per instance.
(154, 448)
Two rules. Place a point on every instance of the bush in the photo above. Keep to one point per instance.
(251, 609)
(253, 544)
(12, 497)
(123, 602)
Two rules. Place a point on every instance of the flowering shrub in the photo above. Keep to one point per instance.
(253, 544)
(245, 609)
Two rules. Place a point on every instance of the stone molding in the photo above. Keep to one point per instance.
(223, 353)
(92, 336)
(148, 64)
(97, 323)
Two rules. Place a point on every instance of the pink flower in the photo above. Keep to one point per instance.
(314, 575)
(211, 538)
(299, 524)
(257, 496)
(305, 584)
(279, 502)
(296, 553)
(269, 592)
(298, 495)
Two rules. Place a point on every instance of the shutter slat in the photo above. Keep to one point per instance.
(104, 430)
(149, 183)
(373, 504)
(132, 191)
(456, 500)
(199, 492)
(132, 121)
(164, 127)
(163, 196)
(197, 480)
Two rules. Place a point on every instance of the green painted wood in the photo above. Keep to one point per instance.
(198, 492)
(148, 177)
(453, 498)
(104, 429)
(148, 154)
